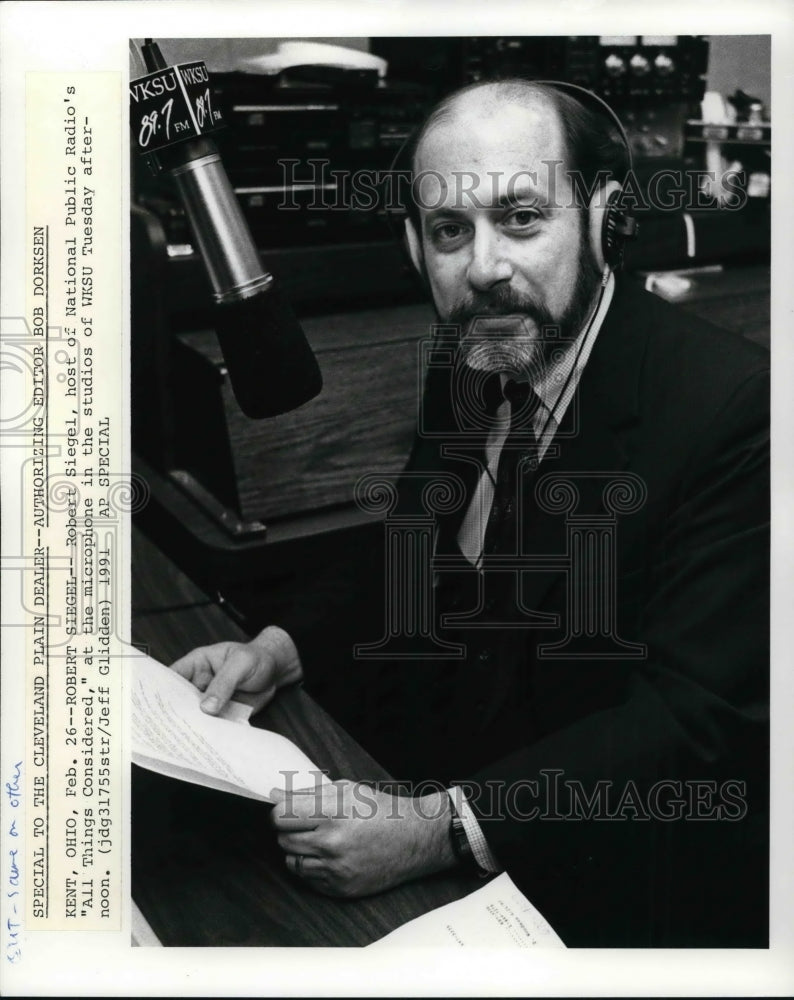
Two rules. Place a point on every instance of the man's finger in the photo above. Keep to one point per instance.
(301, 810)
(300, 842)
(195, 667)
(305, 867)
(233, 671)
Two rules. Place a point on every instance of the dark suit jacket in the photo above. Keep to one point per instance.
(682, 408)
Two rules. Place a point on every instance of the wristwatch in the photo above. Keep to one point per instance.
(460, 842)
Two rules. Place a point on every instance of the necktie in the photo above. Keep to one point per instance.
(520, 444)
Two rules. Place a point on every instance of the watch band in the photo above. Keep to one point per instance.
(460, 842)
(482, 859)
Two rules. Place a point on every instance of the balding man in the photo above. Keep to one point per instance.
(603, 733)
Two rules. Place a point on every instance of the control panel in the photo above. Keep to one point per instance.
(621, 68)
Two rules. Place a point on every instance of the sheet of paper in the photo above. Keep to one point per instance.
(171, 735)
(497, 916)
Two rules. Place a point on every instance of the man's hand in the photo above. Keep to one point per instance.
(261, 666)
(347, 839)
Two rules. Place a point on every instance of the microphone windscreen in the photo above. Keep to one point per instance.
(271, 366)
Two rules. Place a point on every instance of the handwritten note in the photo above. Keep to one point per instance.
(13, 890)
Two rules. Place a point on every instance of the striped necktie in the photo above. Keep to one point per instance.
(520, 444)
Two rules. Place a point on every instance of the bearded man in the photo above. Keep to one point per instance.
(598, 728)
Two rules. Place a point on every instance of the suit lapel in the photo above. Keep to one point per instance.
(594, 438)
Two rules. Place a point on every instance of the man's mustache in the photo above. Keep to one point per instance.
(499, 302)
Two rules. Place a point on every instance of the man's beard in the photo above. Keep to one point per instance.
(503, 331)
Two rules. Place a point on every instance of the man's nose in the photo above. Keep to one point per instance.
(490, 262)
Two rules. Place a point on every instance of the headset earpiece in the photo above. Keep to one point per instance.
(619, 226)
(598, 212)
(610, 226)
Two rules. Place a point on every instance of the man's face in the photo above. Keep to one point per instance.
(500, 236)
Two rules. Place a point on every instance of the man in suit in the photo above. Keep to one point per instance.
(606, 575)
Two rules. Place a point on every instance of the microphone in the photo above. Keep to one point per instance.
(271, 366)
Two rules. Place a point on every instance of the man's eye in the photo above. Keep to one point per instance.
(447, 232)
(522, 218)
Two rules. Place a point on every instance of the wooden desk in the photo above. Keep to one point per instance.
(206, 869)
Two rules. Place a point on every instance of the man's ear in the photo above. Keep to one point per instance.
(414, 246)
(597, 213)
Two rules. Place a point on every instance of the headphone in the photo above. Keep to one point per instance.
(611, 224)
(617, 224)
